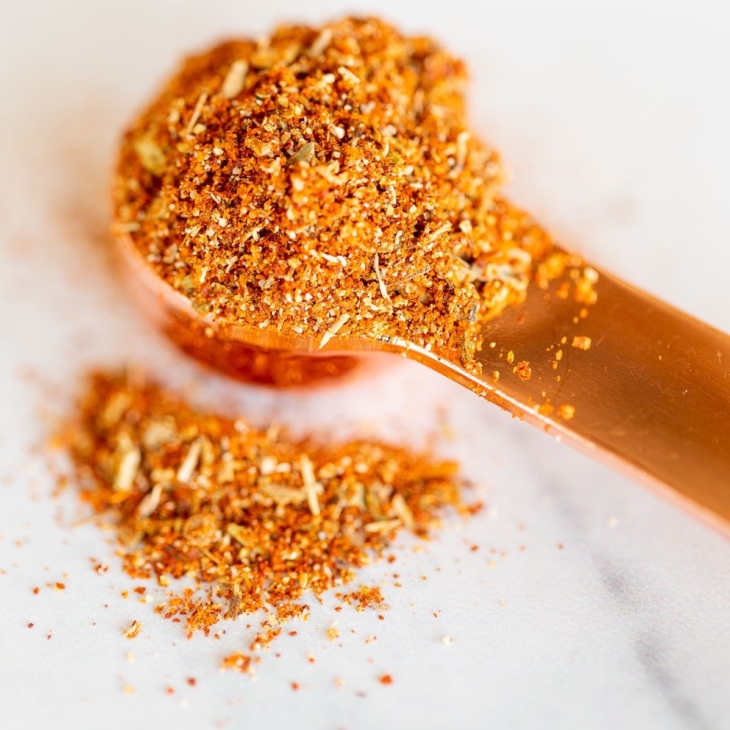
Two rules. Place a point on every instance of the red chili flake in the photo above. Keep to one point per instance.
(60, 587)
(192, 681)
(386, 679)
(295, 686)
(30, 626)
(36, 591)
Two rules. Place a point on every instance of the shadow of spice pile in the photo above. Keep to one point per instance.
(255, 518)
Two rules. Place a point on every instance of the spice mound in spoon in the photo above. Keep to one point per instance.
(325, 181)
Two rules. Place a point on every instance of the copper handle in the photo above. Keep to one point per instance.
(651, 395)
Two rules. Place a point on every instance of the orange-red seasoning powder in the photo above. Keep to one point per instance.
(257, 518)
(326, 181)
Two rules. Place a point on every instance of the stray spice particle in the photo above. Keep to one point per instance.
(238, 662)
(582, 343)
(133, 631)
(523, 370)
(566, 411)
(386, 679)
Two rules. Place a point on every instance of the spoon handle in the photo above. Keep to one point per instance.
(651, 394)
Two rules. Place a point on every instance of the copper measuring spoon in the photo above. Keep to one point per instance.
(651, 396)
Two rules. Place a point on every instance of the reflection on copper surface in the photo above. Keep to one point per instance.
(250, 363)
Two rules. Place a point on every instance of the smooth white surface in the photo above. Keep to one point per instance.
(615, 120)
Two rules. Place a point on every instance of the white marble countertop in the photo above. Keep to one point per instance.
(615, 119)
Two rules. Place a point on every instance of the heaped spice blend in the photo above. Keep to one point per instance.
(325, 180)
(257, 517)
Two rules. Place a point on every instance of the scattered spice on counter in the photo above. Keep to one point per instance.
(325, 182)
(256, 518)
(365, 597)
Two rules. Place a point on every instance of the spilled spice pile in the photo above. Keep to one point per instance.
(254, 517)
(325, 182)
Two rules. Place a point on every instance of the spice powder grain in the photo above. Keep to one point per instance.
(254, 517)
(325, 181)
